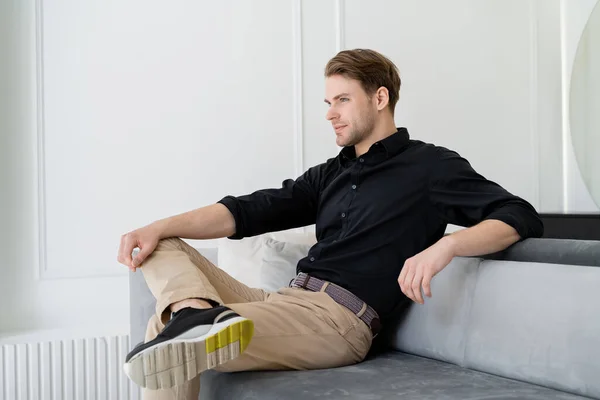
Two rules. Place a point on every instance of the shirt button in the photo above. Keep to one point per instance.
(354, 187)
(361, 159)
(312, 259)
(343, 215)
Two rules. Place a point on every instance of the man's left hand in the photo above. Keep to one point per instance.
(418, 270)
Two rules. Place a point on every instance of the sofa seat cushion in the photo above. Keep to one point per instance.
(392, 375)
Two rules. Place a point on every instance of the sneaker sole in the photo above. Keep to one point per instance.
(176, 361)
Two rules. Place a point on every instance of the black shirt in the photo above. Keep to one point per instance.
(375, 211)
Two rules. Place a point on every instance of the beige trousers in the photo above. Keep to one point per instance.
(294, 329)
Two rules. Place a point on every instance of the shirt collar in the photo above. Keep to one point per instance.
(392, 144)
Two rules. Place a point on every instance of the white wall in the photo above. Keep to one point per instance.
(147, 114)
(28, 303)
(467, 78)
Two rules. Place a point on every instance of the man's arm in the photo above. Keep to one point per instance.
(460, 196)
(487, 237)
(292, 205)
(211, 222)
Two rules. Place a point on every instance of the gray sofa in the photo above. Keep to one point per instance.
(520, 324)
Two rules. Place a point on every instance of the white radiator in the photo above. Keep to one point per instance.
(79, 369)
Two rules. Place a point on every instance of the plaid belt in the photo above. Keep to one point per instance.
(342, 297)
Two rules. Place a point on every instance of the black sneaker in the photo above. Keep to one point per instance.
(192, 341)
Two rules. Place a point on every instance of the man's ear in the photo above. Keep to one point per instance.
(382, 98)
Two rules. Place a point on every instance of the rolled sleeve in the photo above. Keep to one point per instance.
(233, 205)
(463, 197)
(268, 210)
(521, 216)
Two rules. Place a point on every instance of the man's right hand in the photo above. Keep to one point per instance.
(146, 239)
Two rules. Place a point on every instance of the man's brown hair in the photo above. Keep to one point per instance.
(372, 69)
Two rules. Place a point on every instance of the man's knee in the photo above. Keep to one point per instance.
(172, 243)
(176, 244)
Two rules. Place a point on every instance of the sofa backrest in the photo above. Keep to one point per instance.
(530, 313)
(437, 328)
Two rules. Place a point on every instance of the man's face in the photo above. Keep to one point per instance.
(351, 112)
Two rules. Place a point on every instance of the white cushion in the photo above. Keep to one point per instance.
(243, 259)
(279, 262)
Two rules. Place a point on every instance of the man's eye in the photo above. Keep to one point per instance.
(343, 99)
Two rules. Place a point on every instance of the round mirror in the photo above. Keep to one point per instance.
(584, 106)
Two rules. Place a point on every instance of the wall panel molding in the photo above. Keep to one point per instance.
(533, 102)
(43, 270)
(46, 217)
(298, 87)
(340, 31)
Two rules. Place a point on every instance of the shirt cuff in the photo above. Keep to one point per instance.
(525, 225)
(234, 208)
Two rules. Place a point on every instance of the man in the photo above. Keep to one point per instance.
(381, 208)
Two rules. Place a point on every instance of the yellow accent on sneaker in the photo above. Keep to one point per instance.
(241, 331)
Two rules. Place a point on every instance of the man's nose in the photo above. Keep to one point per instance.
(331, 114)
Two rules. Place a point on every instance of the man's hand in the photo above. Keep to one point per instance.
(146, 239)
(420, 269)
